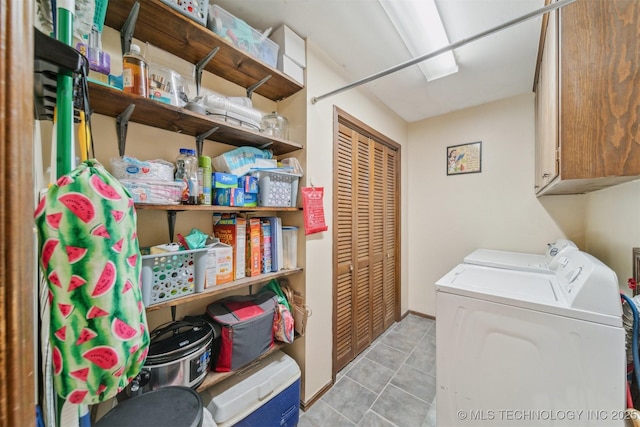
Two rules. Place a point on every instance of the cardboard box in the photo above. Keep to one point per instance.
(265, 245)
(291, 69)
(229, 197)
(223, 180)
(232, 230)
(249, 184)
(219, 264)
(250, 200)
(291, 45)
(254, 259)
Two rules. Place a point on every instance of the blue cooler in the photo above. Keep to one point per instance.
(266, 393)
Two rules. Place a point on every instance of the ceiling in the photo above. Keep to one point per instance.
(359, 37)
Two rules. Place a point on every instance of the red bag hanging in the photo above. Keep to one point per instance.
(313, 210)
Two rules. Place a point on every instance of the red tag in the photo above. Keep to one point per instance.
(313, 210)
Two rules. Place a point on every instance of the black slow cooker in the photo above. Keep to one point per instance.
(179, 355)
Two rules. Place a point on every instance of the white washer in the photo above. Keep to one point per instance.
(520, 260)
(519, 348)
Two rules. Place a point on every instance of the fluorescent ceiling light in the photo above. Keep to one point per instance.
(420, 27)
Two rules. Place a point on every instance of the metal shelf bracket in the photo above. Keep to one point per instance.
(171, 219)
(255, 86)
(200, 66)
(200, 140)
(122, 123)
(126, 33)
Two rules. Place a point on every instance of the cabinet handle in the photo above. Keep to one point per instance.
(546, 175)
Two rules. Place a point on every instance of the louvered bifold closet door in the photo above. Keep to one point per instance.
(365, 241)
(362, 301)
(343, 345)
(391, 196)
(377, 236)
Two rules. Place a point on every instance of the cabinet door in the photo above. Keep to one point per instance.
(547, 108)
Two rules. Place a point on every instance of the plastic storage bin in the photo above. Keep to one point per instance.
(290, 246)
(171, 275)
(167, 85)
(277, 188)
(265, 394)
(154, 192)
(242, 35)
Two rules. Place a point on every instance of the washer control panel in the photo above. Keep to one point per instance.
(587, 283)
(557, 249)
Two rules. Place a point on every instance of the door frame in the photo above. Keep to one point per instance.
(342, 117)
(17, 259)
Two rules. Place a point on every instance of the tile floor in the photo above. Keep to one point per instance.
(391, 383)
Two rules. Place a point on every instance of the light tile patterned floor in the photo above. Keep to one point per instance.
(391, 383)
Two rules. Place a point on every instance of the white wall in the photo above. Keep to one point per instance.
(322, 77)
(449, 216)
(613, 227)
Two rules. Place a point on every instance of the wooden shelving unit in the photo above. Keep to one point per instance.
(162, 26)
(112, 102)
(226, 287)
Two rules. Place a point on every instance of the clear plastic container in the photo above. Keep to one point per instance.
(135, 72)
(275, 125)
(187, 173)
(290, 246)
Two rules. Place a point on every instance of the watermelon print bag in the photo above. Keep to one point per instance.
(90, 257)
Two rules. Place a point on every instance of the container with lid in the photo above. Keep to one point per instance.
(275, 125)
(187, 173)
(135, 72)
(290, 244)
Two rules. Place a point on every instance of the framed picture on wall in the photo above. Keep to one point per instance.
(464, 158)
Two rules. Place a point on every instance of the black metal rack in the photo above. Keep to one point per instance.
(52, 57)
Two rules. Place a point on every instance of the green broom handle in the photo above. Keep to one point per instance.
(65, 148)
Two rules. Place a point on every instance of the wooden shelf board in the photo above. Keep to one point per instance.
(111, 102)
(164, 27)
(219, 289)
(213, 208)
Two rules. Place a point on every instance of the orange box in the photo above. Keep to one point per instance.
(254, 258)
(232, 230)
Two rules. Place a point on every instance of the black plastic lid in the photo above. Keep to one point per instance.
(174, 406)
(177, 340)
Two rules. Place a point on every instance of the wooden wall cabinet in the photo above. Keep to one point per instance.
(588, 97)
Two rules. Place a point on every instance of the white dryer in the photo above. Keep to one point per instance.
(520, 260)
(519, 348)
